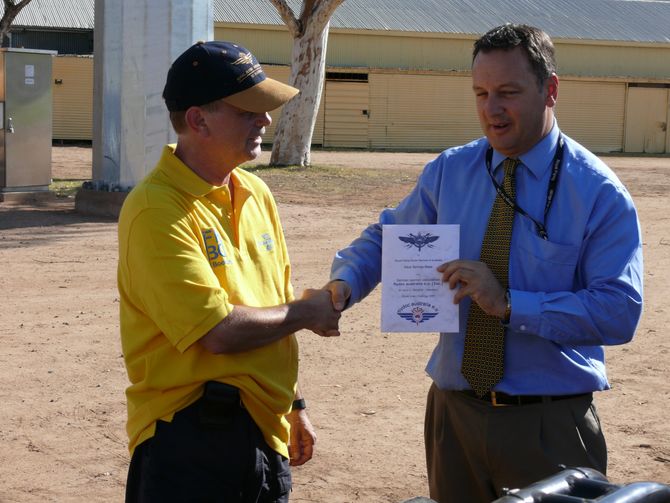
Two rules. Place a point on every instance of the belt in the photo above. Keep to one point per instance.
(499, 399)
(219, 404)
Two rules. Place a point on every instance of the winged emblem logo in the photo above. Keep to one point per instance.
(244, 59)
(419, 240)
(418, 315)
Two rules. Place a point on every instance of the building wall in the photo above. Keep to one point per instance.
(419, 94)
(431, 111)
(647, 119)
(593, 113)
(404, 106)
(346, 111)
(636, 62)
(450, 52)
(270, 45)
(72, 98)
(421, 111)
(413, 111)
(63, 41)
(282, 74)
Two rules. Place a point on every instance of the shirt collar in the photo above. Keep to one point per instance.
(185, 179)
(181, 176)
(537, 159)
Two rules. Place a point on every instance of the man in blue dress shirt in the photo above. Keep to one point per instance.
(575, 281)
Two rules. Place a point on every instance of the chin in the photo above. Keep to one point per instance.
(254, 148)
(253, 154)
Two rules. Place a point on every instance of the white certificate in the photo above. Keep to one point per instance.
(414, 298)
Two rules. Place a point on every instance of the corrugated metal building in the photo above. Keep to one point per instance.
(65, 26)
(72, 97)
(399, 70)
(411, 61)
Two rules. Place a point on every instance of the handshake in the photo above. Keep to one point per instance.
(323, 307)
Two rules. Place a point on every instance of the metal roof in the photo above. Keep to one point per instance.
(61, 14)
(618, 20)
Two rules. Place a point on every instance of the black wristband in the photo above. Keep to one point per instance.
(299, 404)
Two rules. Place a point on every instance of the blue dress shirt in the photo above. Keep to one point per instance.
(571, 294)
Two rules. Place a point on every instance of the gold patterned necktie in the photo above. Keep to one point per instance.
(483, 354)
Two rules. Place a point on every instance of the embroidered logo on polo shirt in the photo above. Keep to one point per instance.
(216, 252)
(266, 241)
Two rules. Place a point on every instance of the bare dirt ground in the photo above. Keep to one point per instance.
(62, 410)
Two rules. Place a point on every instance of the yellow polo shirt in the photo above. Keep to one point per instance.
(186, 256)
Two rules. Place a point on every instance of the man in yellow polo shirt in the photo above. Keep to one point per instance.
(207, 308)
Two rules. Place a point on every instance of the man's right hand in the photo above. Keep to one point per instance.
(324, 317)
(340, 291)
(246, 328)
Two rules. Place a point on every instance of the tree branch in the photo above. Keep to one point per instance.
(307, 8)
(295, 27)
(11, 11)
(323, 12)
(11, 6)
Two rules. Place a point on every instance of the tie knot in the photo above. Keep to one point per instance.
(509, 165)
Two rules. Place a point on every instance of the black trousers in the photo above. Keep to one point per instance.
(212, 451)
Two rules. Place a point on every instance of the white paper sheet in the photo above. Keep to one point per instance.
(414, 298)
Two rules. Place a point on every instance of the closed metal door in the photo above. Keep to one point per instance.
(593, 113)
(27, 126)
(647, 120)
(346, 115)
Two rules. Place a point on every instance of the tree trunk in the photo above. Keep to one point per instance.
(293, 135)
(11, 11)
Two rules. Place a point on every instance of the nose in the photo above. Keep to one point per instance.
(263, 119)
(492, 105)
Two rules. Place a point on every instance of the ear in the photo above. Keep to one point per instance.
(551, 90)
(196, 121)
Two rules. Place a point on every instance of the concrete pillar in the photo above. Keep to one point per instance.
(134, 43)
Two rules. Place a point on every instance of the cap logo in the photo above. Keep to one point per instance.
(252, 71)
(244, 59)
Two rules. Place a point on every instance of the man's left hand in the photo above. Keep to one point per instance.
(477, 281)
(303, 437)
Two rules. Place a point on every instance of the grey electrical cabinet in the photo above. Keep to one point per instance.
(25, 128)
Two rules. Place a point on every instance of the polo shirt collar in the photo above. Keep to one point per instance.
(538, 159)
(181, 176)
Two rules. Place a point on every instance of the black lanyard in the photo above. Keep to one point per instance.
(551, 189)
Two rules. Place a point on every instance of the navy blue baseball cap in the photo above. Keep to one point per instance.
(209, 71)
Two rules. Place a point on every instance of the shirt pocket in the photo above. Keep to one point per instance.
(542, 265)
